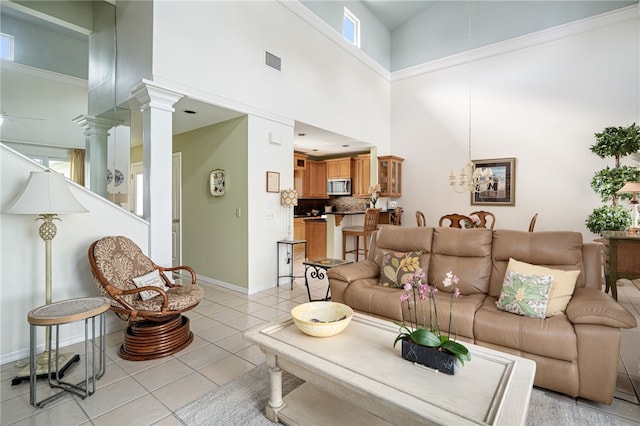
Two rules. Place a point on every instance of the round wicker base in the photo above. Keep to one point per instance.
(151, 340)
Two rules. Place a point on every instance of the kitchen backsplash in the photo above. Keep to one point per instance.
(338, 204)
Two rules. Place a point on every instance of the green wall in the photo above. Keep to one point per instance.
(135, 155)
(214, 239)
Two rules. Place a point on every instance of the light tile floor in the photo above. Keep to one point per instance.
(148, 392)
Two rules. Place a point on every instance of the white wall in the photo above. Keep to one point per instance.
(22, 259)
(267, 218)
(219, 47)
(541, 103)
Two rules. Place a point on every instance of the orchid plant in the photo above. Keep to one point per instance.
(416, 289)
(474, 223)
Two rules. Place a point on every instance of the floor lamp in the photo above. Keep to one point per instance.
(46, 195)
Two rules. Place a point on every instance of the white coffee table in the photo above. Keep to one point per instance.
(357, 377)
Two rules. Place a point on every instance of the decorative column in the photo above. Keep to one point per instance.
(96, 134)
(157, 142)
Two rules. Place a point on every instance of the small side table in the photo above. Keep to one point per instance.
(64, 312)
(317, 269)
(621, 258)
(290, 244)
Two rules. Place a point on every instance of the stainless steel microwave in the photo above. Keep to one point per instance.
(339, 186)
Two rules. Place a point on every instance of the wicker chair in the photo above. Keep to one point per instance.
(156, 326)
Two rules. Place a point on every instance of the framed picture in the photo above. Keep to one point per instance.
(500, 188)
(217, 182)
(273, 182)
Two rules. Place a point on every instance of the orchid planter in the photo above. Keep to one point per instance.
(430, 357)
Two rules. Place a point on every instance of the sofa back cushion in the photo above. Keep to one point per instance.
(554, 249)
(402, 239)
(465, 252)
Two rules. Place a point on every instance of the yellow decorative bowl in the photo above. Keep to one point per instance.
(321, 319)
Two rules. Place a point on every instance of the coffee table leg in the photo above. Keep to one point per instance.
(275, 384)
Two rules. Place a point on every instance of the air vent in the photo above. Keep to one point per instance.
(273, 61)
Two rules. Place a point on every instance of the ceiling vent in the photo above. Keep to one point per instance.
(273, 61)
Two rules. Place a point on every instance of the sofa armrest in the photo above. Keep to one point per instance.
(354, 271)
(592, 306)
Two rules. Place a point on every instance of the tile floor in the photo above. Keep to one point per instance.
(148, 392)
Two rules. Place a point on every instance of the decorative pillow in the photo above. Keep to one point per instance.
(562, 284)
(150, 279)
(396, 266)
(526, 295)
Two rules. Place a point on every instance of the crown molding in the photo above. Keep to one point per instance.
(10, 66)
(625, 14)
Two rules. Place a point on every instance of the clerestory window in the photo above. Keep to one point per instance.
(351, 27)
(6, 46)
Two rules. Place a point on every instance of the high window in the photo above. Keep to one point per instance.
(351, 27)
(6, 46)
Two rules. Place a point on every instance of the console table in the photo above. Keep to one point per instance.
(621, 250)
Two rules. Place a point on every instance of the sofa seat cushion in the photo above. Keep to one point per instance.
(464, 311)
(553, 337)
(366, 295)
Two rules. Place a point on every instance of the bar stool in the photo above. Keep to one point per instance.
(370, 224)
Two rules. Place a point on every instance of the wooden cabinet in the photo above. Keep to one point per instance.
(339, 168)
(316, 236)
(299, 173)
(390, 176)
(316, 180)
(298, 228)
(361, 180)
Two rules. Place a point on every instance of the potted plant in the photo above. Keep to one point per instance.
(428, 345)
(616, 142)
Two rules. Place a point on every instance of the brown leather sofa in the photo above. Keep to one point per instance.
(576, 353)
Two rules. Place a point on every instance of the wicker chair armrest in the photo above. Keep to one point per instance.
(177, 268)
(165, 301)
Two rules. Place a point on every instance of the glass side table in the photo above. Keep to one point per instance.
(290, 245)
(317, 270)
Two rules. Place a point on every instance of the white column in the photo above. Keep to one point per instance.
(96, 134)
(157, 140)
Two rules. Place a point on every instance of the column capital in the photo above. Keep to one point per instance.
(94, 125)
(152, 96)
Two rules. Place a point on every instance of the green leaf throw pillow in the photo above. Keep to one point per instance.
(525, 294)
(396, 266)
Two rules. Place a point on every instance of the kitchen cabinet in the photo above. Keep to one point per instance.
(316, 180)
(339, 168)
(361, 180)
(298, 228)
(299, 173)
(390, 176)
(316, 236)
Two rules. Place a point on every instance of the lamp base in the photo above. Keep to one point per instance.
(42, 366)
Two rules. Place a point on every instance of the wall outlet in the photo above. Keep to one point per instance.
(238, 212)
(271, 214)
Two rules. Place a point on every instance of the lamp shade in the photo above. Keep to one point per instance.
(45, 193)
(289, 197)
(629, 188)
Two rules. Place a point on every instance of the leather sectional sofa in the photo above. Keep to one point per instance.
(576, 352)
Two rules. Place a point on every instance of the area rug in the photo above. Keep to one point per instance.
(242, 402)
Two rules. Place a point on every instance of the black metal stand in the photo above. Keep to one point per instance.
(290, 244)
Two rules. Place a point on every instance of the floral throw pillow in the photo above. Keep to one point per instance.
(396, 266)
(525, 294)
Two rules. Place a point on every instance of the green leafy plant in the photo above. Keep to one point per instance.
(608, 218)
(416, 289)
(616, 142)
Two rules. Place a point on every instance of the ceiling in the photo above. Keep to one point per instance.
(393, 13)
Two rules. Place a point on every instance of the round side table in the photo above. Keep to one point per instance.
(56, 314)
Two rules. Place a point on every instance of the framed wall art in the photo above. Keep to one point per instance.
(501, 188)
(273, 182)
(217, 182)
